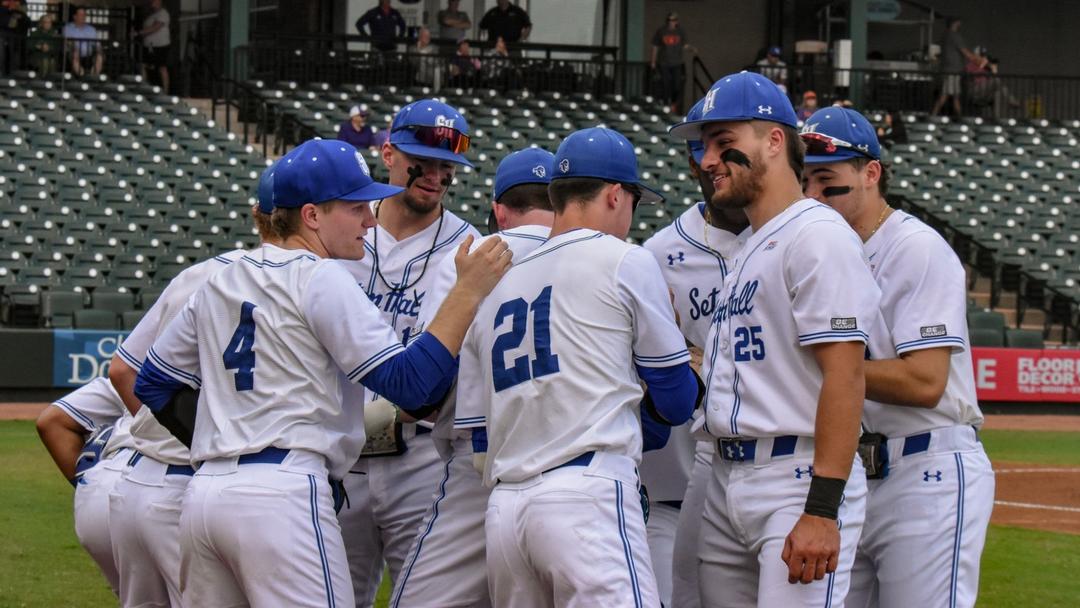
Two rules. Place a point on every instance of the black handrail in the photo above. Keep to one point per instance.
(702, 79)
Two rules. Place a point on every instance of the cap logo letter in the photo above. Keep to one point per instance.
(764, 110)
(539, 171)
(363, 163)
(442, 121)
(710, 102)
(564, 165)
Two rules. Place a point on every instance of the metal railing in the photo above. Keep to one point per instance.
(281, 63)
(984, 94)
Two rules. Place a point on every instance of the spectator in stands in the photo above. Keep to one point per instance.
(426, 67)
(464, 68)
(773, 67)
(155, 39)
(954, 53)
(14, 24)
(356, 131)
(44, 43)
(85, 48)
(454, 23)
(808, 107)
(506, 21)
(498, 69)
(668, 44)
(385, 26)
(892, 131)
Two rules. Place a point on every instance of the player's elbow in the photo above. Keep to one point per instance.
(53, 422)
(927, 392)
(121, 375)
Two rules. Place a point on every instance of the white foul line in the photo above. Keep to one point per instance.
(1034, 470)
(1028, 505)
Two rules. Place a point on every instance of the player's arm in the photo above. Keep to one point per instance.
(171, 366)
(835, 301)
(63, 437)
(924, 336)
(123, 378)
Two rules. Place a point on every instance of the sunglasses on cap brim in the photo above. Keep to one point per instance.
(442, 137)
(634, 191)
(819, 144)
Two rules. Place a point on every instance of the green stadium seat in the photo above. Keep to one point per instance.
(92, 318)
(129, 319)
(987, 320)
(115, 301)
(991, 338)
(1023, 338)
(58, 308)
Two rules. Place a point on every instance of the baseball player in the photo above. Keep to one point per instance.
(266, 340)
(784, 367)
(560, 347)
(694, 252)
(150, 495)
(92, 465)
(446, 564)
(392, 484)
(931, 487)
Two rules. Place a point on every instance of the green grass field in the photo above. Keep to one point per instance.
(42, 564)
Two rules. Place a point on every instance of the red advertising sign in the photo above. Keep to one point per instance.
(1020, 374)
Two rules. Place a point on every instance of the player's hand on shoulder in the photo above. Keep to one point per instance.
(811, 549)
(481, 270)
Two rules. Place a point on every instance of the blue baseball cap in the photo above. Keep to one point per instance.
(528, 166)
(735, 97)
(322, 170)
(408, 124)
(697, 149)
(833, 134)
(601, 153)
(774, 51)
(265, 191)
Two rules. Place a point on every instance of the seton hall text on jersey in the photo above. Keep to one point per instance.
(395, 301)
(702, 308)
(741, 304)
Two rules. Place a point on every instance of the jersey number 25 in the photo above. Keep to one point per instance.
(544, 363)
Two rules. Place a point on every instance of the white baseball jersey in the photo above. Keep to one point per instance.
(407, 263)
(923, 305)
(96, 404)
(267, 338)
(556, 343)
(800, 280)
(693, 257)
(148, 436)
(522, 241)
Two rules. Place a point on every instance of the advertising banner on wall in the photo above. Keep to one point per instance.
(80, 355)
(1020, 374)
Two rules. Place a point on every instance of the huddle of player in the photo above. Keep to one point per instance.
(377, 388)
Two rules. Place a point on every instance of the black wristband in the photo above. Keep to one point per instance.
(824, 497)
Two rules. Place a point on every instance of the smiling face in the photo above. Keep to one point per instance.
(342, 227)
(425, 192)
(735, 186)
(859, 180)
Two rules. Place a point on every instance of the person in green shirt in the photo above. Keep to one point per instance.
(44, 45)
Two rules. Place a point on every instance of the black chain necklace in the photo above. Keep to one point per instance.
(427, 257)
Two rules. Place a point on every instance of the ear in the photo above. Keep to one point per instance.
(388, 155)
(501, 213)
(309, 215)
(611, 196)
(872, 174)
(776, 141)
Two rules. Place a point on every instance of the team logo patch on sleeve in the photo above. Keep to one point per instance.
(842, 323)
(932, 331)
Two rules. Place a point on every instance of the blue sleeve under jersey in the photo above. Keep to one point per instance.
(418, 376)
(154, 387)
(674, 391)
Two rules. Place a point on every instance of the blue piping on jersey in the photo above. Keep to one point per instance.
(469, 420)
(906, 346)
(74, 412)
(662, 358)
(840, 333)
(128, 358)
(180, 374)
(738, 279)
(693, 243)
(627, 549)
(222, 259)
(420, 541)
(269, 264)
(327, 578)
(560, 246)
(360, 370)
(522, 235)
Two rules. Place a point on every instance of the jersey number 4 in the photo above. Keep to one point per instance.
(239, 354)
(749, 343)
(544, 363)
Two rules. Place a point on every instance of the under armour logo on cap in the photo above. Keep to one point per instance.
(764, 110)
(564, 165)
(540, 171)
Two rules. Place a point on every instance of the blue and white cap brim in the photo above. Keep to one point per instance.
(650, 196)
(840, 155)
(374, 191)
(421, 151)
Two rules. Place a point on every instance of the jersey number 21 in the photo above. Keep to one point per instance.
(545, 363)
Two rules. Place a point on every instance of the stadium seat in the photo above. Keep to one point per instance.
(92, 318)
(58, 308)
(117, 302)
(986, 337)
(1023, 338)
(987, 320)
(131, 318)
